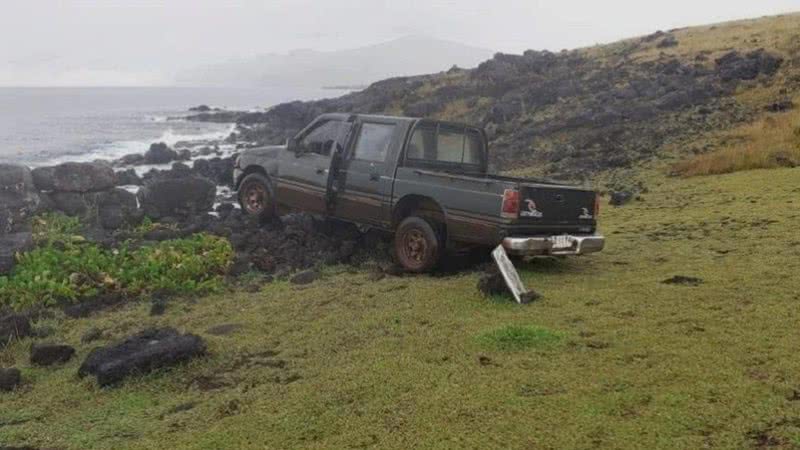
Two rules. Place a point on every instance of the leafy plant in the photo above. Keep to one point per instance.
(74, 270)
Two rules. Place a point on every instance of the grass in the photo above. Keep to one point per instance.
(519, 337)
(772, 141)
(428, 362)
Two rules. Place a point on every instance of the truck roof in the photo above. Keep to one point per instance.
(399, 119)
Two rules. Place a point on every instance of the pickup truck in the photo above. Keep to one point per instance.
(426, 181)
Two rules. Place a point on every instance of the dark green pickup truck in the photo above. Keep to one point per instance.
(425, 180)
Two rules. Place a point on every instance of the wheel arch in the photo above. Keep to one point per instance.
(422, 206)
(254, 168)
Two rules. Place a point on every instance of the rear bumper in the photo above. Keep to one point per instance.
(563, 244)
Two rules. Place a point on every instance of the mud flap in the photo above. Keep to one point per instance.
(510, 275)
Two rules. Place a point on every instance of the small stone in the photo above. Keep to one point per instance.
(158, 307)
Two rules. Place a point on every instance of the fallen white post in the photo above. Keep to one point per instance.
(510, 274)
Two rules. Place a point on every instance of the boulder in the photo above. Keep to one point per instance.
(160, 153)
(117, 208)
(141, 353)
(14, 326)
(10, 245)
(128, 177)
(305, 277)
(492, 283)
(667, 42)
(177, 197)
(735, 66)
(131, 159)
(18, 197)
(51, 354)
(75, 177)
(619, 198)
(9, 379)
(219, 170)
(74, 203)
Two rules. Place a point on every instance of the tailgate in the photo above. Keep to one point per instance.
(556, 205)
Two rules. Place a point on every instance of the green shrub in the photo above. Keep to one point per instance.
(515, 337)
(73, 270)
(53, 227)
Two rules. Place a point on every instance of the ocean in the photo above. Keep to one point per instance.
(41, 126)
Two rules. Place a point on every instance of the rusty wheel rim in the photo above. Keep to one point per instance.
(255, 198)
(415, 247)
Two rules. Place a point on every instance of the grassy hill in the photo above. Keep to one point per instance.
(681, 334)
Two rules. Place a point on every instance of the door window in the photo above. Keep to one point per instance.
(315, 139)
(373, 141)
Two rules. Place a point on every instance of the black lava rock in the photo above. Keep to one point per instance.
(9, 379)
(50, 354)
(304, 277)
(14, 326)
(141, 353)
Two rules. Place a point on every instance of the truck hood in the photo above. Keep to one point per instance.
(269, 151)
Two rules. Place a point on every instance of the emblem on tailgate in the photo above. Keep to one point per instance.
(585, 214)
(532, 211)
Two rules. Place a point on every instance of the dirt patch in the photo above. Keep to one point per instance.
(91, 306)
(683, 280)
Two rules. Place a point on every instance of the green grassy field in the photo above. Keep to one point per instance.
(610, 357)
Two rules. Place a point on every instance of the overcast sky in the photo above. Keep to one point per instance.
(132, 42)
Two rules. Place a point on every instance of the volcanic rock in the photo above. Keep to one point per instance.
(50, 354)
(9, 379)
(10, 245)
(14, 326)
(75, 177)
(141, 353)
(18, 197)
(180, 197)
(160, 153)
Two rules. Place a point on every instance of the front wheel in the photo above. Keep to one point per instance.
(255, 196)
(417, 245)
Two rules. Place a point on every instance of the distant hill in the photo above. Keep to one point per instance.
(354, 67)
(709, 99)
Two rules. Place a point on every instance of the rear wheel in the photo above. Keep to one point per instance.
(255, 196)
(417, 245)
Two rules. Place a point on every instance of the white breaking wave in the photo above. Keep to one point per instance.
(118, 149)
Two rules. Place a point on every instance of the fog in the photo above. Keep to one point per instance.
(146, 42)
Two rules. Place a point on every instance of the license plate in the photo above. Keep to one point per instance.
(561, 242)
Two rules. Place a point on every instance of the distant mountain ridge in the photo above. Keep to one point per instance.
(352, 67)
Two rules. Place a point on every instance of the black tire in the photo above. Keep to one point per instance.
(417, 245)
(255, 196)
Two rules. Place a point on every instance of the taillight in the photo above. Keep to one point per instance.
(510, 208)
(596, 205)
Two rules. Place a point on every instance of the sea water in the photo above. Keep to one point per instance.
(40, 126)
